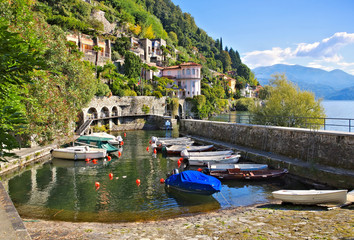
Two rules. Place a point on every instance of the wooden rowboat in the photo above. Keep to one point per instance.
(235, 173)
(241, 166)
(204, 161)
(311, 197)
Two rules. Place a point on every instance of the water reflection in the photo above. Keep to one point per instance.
(65, 189)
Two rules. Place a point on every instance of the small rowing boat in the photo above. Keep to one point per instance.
(204, 161)
(176, 149)
(231, 174)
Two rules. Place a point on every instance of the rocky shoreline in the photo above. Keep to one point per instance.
(264, 221)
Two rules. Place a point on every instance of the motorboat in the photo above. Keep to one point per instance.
(114, 140)
(232, 174)
(193, 182)
(79, 153)
(311, 197)
(204, 161)
(241, 166)
(176, 149)
(96, 141)
(186, 154)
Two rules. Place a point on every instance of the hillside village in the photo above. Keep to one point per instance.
(187, 76)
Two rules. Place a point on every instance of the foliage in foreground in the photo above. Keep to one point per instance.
(286, 105)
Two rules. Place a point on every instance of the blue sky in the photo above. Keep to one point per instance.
(312, 33)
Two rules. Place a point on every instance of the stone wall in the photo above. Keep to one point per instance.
(323, 147)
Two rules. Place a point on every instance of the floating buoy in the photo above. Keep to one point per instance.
(155, 151)
(150, 142)
(87, 160)
(179, 163)
(125, 134)
(199, 169)
(138, 182)
(110, 176)
(180, 159)
(122, 143)
(97, 185)
(109, 158)
(94, 161)
(162, 180)
(119, 154)
(147, 148)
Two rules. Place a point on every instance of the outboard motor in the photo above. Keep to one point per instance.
(184, 153)
(175, 171)
(154, 139)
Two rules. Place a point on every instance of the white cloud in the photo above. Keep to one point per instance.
(323, 54)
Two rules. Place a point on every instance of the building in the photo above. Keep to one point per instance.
(86, 45)
(187, 76)
(149, 51)
(226, 81)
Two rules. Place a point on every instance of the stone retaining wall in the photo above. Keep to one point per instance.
(323, 147)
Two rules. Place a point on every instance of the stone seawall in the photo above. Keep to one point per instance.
(328, 148)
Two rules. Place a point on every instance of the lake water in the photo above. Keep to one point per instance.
(65, 189)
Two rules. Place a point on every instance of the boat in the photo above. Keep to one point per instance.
(78, 153)
(193, 182)
(95, 141)
(176, 149)
(204, 161)
(311, 197)
(166, 142)
(231, 174)
(241, 166)
(186, 153)
(115, 140)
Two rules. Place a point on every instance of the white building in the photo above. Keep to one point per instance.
(187, 77)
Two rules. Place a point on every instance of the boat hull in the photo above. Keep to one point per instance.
(311, 197)
(69, 153)
(206, 153)
(237, 174)
(204, 161)
(242, 166)
(176, 149)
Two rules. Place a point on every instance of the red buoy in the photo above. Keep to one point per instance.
(199, 169)
(179, 163)
(119, 154)
(87, 160)
(138, 182)
(162, 180)
(155, 151)
(150, 142)
(122, 143)
(147, 148)
(97, 185)
(94, 161)
(110, 176)
(125, 134)
(109, 158)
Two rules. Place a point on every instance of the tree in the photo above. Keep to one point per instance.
(235, 58)
(132, 65)
(226, 60)
(288, 106)
(149, 33)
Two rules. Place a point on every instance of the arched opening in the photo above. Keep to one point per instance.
(114, 111)
(92, 113)
(104, 112)
(180, 111)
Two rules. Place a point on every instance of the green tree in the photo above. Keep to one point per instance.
(289, 104)
(132, 65)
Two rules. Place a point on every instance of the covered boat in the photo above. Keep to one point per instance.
(204, 161)
(231, 174)
(113, 139)
(311, 197)
(241, 166)
(193, 182)
(186, 153)
(100, 142)
(79, 153)
(176, 149)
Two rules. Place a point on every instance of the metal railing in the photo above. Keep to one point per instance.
(331, 124)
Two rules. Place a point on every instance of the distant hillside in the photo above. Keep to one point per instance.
(334, 85)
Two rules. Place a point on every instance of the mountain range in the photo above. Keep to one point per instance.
(330, 85)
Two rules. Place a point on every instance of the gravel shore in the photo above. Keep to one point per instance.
(266, 221)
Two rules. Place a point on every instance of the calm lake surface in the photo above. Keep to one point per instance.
(65, 190)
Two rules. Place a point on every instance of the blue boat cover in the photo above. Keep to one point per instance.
(194, 182)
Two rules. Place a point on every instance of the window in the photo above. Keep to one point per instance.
(183, 72)
(193, 71)
(188, 72)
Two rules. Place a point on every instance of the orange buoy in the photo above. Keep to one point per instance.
(87, 160)
(162, 180)
(180, 159)
(110, 176)
(155, 151)
(94, 161)
(179, 163)
(199, 169)
(125, 134)
(97, 185)
(138, 182)
(150, 142)
(119, 154)
(147, 148)
(109, 158)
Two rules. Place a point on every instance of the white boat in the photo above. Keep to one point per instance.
(186, 153)
(79, 153)
(176, 149)
(160, 142)
(113, 139)
(241, 166)
(312, 197)
(204, 161)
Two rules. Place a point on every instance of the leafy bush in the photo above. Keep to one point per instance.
(157, 94)
(145, 109)
(243, 104)
(102, 90)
